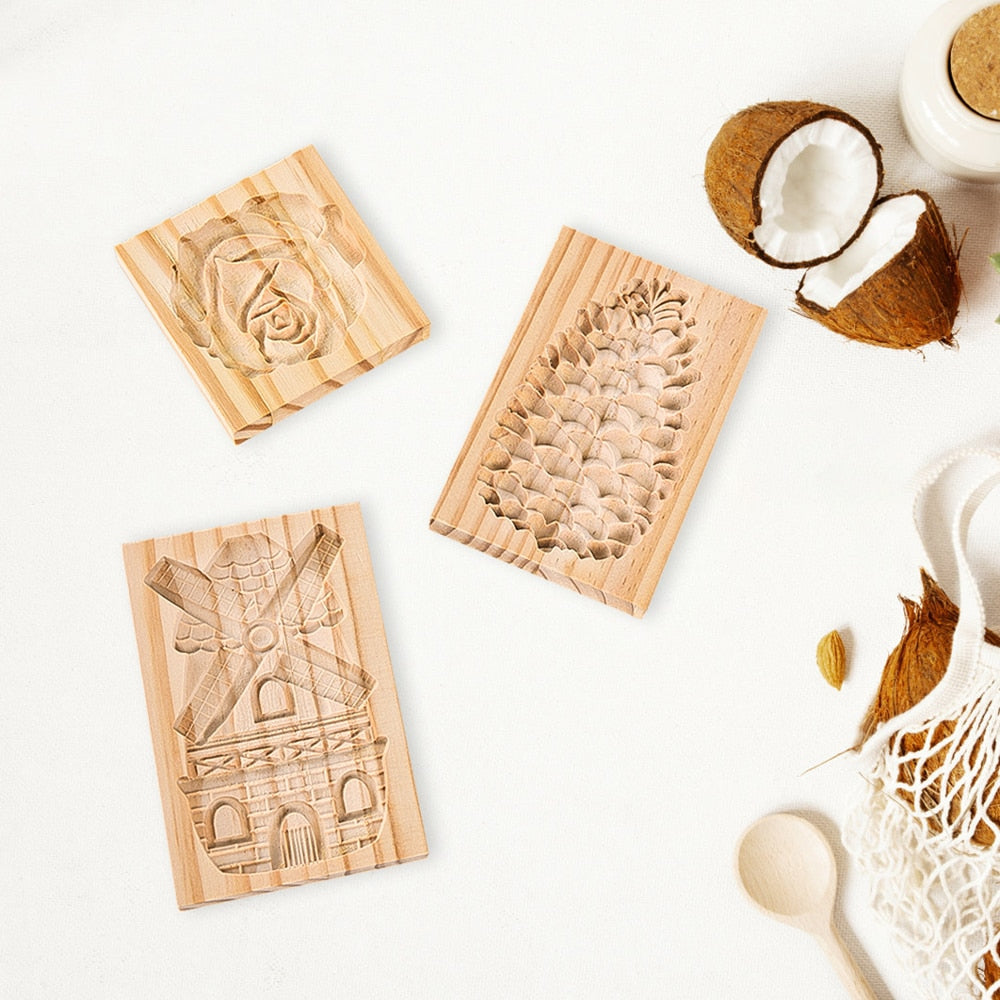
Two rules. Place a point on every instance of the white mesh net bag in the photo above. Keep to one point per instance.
(924, 829)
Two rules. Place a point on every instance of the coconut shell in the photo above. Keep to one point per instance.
(910, 301)
(912, 670)
(989, 972)
(739, 154)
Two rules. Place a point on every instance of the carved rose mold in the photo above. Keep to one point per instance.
(269, 285)
(274, 292)
(285, 746)
(589, 444)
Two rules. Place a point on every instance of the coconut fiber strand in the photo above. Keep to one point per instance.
(739, 155)
(909, 302)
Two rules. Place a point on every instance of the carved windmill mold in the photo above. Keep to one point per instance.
(252, 636)
(280, 750)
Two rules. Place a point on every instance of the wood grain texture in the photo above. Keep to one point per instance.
(590, 442)
(274, 293)
(278, 739)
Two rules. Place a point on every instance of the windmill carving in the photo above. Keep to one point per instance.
(284, 768)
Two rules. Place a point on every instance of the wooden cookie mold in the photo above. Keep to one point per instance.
(278, 740)
(274, 292)
(588, 447)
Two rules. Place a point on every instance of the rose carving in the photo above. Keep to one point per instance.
(270, 285)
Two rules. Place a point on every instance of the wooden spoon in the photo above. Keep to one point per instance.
(788, 869)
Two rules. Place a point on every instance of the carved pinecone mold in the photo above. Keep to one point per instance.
(588, 446)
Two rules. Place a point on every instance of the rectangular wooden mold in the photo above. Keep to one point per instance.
(274, 292)
(278, 740)
(588, 447)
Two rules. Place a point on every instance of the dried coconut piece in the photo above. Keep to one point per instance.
(793, 182)
(897, 285)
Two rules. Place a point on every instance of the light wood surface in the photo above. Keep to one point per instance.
(587, 450)
(274, 292)
(276, 730)
(787, 868)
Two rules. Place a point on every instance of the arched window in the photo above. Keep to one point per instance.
(295, 837)
(271, 699)
(227, 822)
(356, 796)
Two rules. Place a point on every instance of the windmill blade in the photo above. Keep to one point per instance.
(208, 600)
(319, 670)
(215, 696)
(302, 585)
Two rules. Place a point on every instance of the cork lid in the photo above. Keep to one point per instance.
(975, 62)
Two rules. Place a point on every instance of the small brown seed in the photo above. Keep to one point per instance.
(831, 657)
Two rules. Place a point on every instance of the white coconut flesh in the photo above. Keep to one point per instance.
(891, 227)
(815, 191)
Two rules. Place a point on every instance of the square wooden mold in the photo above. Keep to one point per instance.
(278, 740)
(588, 447)
(274, 292)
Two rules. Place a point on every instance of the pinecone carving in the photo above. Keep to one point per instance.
(588, 445)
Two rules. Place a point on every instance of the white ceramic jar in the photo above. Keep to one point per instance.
(947, 133)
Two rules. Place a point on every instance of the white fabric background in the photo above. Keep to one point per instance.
(583, 776)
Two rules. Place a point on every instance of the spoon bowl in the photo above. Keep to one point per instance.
(787, 868)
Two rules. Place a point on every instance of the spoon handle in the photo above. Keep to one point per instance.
(845, 965)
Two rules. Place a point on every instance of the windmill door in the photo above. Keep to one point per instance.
(297, 841)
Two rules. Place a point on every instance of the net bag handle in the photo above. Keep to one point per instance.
(948, 499)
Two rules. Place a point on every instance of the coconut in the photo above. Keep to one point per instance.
(896, 285)
(793, 182)
(912, 671)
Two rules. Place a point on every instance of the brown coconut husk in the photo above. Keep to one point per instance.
(909, 302)
(989, 971)
(739, 154)
(912, 670)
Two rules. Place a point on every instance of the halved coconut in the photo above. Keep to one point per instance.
(793, 182)
(896, 285)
